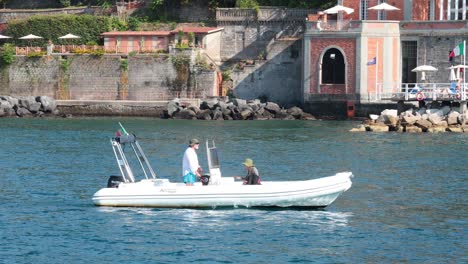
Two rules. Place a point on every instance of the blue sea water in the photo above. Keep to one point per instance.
(407, 204)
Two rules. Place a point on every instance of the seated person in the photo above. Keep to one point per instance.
(416, 89)
(252, 177)
(453, 88)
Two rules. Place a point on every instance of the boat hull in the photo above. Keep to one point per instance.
(164, 194)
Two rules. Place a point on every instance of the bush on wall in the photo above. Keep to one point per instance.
(88, 27)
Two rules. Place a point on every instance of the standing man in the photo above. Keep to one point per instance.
(190, 166)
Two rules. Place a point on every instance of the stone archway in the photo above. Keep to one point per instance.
(333, 72)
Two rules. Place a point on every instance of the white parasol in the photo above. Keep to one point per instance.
(423, 69)
(339, 8)
(30, 36)
(69, 36)
(384, 7)
(4, 37)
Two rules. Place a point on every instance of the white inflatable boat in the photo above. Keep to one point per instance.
(214, 191)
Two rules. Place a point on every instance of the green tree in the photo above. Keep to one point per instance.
(4, 2)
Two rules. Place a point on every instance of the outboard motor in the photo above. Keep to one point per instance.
(205, 179)
(114, 181)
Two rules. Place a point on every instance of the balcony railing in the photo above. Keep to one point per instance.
(84, 49)
(263, 14)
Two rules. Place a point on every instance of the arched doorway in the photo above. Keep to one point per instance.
(333, 67)
(333, 72)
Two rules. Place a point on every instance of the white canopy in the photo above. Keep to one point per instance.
(384, 6)
(4, 37)
(69, 36)
(339, 8)
(30, 36)
(424, 68)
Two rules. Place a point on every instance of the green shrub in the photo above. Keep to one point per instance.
(88, 27)
(65, 3)
(36, 54)
(7, 54)
(124, 64)
(191, 38)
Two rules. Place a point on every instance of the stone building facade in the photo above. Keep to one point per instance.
(375, 51)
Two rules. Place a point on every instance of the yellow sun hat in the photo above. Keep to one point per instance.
(248, 163)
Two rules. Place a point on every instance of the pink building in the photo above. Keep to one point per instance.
(138, 41)
(363, 55)
(207, 38)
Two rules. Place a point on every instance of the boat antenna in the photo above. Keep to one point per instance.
(123, 129)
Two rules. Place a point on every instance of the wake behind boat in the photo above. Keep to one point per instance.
(214, 190)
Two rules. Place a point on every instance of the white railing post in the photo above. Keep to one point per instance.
(434, 92)
(406, 92)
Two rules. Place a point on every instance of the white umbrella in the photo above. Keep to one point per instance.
(384, 7)
(339, 8)
(69, 36)
(423, 69)
(30, 36)
(4, 37)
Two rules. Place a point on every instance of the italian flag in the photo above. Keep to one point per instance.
(459, 50)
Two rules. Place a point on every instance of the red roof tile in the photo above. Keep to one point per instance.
(197, 29)
(137, 33)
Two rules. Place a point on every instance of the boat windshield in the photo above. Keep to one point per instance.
(213, 156)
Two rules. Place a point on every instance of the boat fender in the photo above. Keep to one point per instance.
(420, 96)
(114, 181)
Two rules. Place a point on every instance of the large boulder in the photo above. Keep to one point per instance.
(264, 115)
(436, 117)
(378, 127)
(308, 116)
(390, 112)
(409, 119)
(360, 128)
(22, 111)
(217, 114)
(26, 101)
(185, 114)
(272, 107)
(423, 124)
(173, 107)
(194, 108)
(246, 114)
(296, 112)
(12, 100)
(437, 129)
(239, 102)
(34, 107)
(413, 129)
(48, 104)
(452, 118)
(204, 114)
(283, 114)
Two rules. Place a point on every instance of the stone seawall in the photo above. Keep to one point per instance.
(85, 77)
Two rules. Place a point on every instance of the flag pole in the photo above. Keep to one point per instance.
(464, 71)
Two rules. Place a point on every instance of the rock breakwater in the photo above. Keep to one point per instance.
(28, 106)
(236, 109)
(433, 120)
